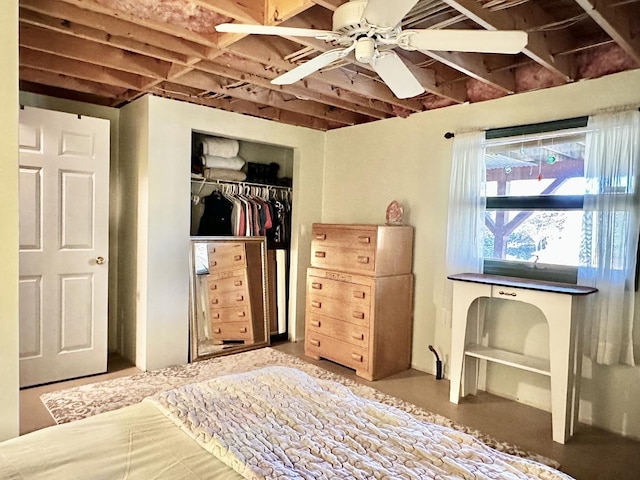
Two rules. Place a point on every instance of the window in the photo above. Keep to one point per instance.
(554, 202)
(534, 196)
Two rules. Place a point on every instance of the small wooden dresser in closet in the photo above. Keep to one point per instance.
(233, 316)
(359, 307)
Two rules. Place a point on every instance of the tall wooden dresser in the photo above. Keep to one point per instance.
(235, 293)
(359, 307)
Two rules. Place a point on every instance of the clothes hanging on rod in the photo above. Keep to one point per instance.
(216, 219)
(239, 209)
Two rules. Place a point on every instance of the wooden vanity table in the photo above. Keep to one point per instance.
(559, 302)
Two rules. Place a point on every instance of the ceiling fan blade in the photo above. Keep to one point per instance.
(311, 66)
(480, 41)
(384, 13)
(393, 71)
(276, 30)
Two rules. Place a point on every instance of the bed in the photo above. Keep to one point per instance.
(273, 423)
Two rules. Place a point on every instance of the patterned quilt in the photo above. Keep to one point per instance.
(280, 423)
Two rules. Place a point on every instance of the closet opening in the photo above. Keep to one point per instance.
(241, 188)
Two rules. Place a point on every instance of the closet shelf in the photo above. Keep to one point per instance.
(517, 360)
(203, 181)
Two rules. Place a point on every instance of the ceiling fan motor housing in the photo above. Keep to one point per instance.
(347, 18)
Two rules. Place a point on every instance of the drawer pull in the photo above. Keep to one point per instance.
(357, 357)
(239, 298)
(321, 236)
(213, 263)
(359, 315)
(242, 314)
(357, 294)
(237, 258)
(316, 304)
(363, 259)
(217, 330)
(214, 301)
(215, 315)
(316, 286)
(213, 287)
(315, 323)
(511, 294)
(242, 329)
(237, 283)
(314, 342)
(357, 336)
(320, 254)
(364, 239)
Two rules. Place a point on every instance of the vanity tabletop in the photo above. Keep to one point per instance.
(516, 282)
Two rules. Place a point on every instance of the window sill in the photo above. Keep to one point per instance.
(538, 271)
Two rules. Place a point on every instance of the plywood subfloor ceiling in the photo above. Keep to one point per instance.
(110, 52)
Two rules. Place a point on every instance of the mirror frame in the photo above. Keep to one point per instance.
(194, 340)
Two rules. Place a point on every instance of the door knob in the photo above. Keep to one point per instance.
(100, 260)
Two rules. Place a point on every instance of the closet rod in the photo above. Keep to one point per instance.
(234, 182)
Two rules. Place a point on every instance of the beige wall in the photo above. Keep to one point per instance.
(368, 166)
(157, 150)
(261, 153)
(134, 152)
(9, 221)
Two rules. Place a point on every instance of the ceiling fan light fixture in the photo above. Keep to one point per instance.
(365, 49)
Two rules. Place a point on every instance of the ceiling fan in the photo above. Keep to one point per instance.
(371, 29)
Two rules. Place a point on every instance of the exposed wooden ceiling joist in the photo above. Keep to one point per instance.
(110, 52)
(71, 83)
(113, 26)
(208, 39)
(37, 38)
(248, 11)
(542, 45)
(88, 33)
(269, 97)
(77, 69)
(297, 91)
(310, 86)
(620, 20)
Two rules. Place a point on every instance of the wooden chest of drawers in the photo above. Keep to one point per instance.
(223, 256)
(363, 249)
(232, 314)
(361, 320)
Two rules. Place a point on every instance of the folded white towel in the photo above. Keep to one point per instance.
(220, 147)
(213, 161)
(224, 174)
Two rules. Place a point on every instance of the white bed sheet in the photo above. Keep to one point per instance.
(135, 443)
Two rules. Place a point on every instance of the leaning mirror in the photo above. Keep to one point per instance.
(229, 305)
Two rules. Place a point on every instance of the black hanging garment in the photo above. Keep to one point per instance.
(216, 219)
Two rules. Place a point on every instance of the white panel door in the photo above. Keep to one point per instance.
(64, 242)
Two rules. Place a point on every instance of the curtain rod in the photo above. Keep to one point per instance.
(450, 135)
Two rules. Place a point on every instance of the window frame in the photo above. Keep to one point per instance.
(535, 271)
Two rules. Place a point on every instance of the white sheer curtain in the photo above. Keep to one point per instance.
(611, 229)
(466, 210)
